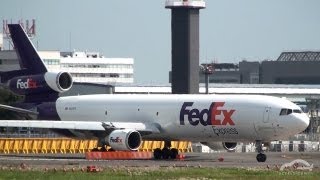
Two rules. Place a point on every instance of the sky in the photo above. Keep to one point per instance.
(230, 30)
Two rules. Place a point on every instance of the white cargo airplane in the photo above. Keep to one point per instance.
(123, 121)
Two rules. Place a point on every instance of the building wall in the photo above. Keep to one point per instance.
(102, 70)
(290, 72)
(250, 72)
(223, 77)
(269, 72)
(8, 61)
(88, 88)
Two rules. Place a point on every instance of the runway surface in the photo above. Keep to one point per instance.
(238, 160)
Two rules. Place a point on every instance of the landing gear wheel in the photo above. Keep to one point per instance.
(166, 153)
(174, 153)
(157, 153)
(261, 157)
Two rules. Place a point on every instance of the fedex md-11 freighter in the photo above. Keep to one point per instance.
(123, 121)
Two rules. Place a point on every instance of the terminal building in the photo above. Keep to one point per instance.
(89, 67)
(289, 68)
(292, 68)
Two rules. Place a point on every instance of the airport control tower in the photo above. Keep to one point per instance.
(185, 45)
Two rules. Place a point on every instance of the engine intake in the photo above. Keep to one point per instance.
(125, 140)
(230, 146)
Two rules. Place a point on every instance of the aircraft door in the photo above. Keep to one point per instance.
(270, 120)
(266, 114)
(273, 119)
(265, 127)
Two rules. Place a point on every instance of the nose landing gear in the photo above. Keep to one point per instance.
(261, 157)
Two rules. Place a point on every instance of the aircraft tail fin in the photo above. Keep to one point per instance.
(33, 79)
(29, 59)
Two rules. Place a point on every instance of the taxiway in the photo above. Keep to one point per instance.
(237, 160)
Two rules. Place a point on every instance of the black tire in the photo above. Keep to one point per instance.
(166, 153)
(261, 157)
(157, 153)
(264, 158)
(174, 153)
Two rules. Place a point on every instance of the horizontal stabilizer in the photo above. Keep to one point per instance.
(19, 110)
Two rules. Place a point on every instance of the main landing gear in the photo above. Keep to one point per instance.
(261, 157)
(102, 149)
(101, 143)
(166, 152)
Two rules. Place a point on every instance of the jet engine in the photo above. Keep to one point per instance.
(41, 83)
(124, 140)
(59, 82)
(229, 146)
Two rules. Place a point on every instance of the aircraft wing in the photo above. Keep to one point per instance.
(108, 127)
(82, 125)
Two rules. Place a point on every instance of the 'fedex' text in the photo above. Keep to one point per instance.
(29, 84)
(206, 116)
(115, 140)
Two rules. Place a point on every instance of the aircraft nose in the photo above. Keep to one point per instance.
(304, 121)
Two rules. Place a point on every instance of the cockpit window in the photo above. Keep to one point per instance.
(285, 112)
(289, 111)
(297, 111)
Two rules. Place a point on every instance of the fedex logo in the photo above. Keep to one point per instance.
(115, 140)
(29, 84)
(206, 116)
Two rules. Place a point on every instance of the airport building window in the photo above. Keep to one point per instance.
(51, 61)
(74, 65)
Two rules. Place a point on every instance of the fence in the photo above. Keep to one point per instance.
(66, 145)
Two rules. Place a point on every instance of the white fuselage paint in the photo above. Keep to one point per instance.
(254, 117)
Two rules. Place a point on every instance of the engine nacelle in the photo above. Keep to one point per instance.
(59, 82)
(124, 140)
(229, 146)
(40, 83)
